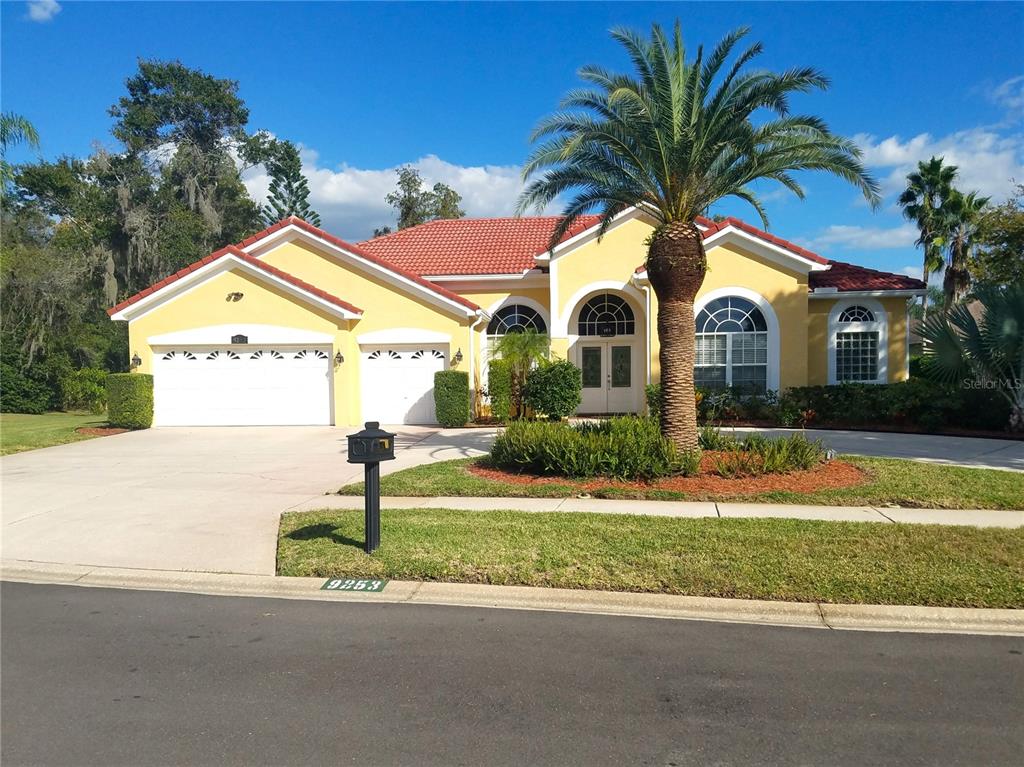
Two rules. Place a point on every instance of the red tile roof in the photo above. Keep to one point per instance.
(363, 252)
(846, 277)
(233, 250)
(472, 245)
(713, 227)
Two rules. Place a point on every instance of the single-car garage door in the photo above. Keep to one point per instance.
(398, 382)
(241, 386)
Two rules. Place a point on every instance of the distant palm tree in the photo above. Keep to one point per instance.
(989, 352)
(962, 215)
(14, 130)
(676, 137)
(928, 188)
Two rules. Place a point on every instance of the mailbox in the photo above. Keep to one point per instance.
(369, 447)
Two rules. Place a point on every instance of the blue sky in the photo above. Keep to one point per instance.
(456, 88)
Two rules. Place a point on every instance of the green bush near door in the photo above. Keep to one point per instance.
(554, 389)
(130, 400)
(451, 397)
(499, 388)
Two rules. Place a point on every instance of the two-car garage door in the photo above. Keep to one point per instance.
(241, 386)
(289, 385)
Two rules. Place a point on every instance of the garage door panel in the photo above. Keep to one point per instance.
(398, 382)
(242, 387)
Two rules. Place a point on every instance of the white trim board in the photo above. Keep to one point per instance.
(287, 234)
(225, 263)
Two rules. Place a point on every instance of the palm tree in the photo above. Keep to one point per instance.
(928, 188)
(990, 353)
(675, 137)
(521, 351)
(14, 130)
(962, 215)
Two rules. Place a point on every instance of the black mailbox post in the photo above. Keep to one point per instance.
(369, 447)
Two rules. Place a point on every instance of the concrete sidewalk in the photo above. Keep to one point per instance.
(687, 509)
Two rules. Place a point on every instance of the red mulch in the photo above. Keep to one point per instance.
(100, 431)
(828, 475)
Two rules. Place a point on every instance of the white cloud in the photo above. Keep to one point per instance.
(1009, 95)
(865, 237)
(987, 161)
(351, 203)
(43, 10)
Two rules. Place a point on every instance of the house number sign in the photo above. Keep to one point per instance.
(353, 584)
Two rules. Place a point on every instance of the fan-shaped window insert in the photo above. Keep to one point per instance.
(391, 355)
(515, 318)
(732, 346)
(606, 315)
(857, 314)
(268, 354)
(318, 354)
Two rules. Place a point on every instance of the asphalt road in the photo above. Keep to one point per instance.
(110, 677)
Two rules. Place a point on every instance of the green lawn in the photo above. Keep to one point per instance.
(892, 481)
(20, 432)
(797, 560)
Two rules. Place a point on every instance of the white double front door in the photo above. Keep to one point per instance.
(611, 376)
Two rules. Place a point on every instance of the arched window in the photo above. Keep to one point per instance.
(515, 318)
(856, 314)
(732, 346)
(606, 315)
(857, 334)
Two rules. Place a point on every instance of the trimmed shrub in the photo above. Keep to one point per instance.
(499, 388)
(758, 454)
(451, 397)
(627, 448)
(84, 389)
(554, 389)
(130, 400)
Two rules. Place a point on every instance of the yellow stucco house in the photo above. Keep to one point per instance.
(295, 326)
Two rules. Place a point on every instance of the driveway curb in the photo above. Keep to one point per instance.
(946, 620)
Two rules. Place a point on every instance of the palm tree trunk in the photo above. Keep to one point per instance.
(676, 265)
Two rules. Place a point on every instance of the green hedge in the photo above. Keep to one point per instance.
(130, 400)
(499, 388)
(554, 389)
(627, 448)
(451, 397)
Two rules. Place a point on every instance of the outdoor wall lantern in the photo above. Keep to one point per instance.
(339, 358)
(136, 360)
(458, 357)
(369, 447)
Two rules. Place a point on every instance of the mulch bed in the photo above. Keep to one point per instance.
(828, 475)
(100, 431)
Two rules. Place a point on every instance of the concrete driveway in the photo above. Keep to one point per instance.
(203, 499)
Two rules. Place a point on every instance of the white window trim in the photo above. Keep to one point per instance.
(728, 357)
(770, 319)
(497, 306)
(569, 316)
(880, 325)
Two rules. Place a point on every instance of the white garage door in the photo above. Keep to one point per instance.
(241, 386)
(398, 382)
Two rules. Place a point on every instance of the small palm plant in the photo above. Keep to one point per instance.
(988, 353)
(521, 352)
(675, 137)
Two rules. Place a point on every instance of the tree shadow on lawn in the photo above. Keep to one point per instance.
(323, 530)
